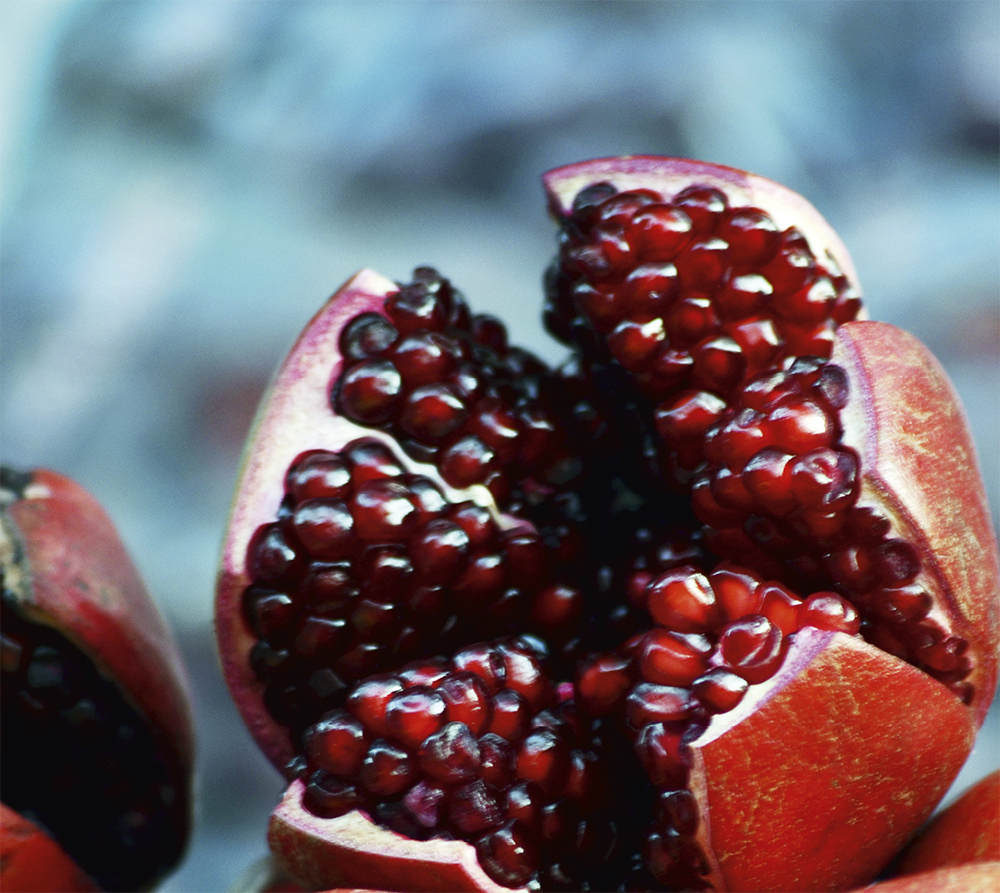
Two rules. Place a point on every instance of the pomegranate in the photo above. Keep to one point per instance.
(971, 877)
(96, 734)
(710, 606)
(967, 831)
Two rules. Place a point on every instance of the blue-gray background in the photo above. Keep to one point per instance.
(183, 183)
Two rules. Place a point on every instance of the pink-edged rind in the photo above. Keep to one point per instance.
(919, 466)
(973, 877)
(352, 851)
(294, 416)
(967, 831)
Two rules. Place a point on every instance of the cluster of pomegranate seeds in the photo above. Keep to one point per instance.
(781, 491)
(451, 391)
(79, 761)
(477, 747)
(690, 297)
(369, 566)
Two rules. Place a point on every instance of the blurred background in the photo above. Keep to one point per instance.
(182, 184)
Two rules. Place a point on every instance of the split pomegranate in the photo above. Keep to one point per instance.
(710, 606)
(96, 731)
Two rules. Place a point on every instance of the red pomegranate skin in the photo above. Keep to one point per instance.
(840, 779)
(972, 877)
(841, 755)
(32, 862)
(903, 417)
(967, 831)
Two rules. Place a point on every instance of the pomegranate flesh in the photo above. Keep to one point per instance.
(96, 733)
(624, 623)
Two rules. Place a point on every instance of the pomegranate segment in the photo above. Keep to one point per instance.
(974, 877)
(96, 732)
(829, 683)
(32, 862)
(967, 831)
(622, 624)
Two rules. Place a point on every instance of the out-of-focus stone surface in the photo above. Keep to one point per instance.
(184, 182)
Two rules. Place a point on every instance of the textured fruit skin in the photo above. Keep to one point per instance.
(818, 761)
(967, 831)
(919, 464)
(766, 756)
(975, 877)
(78, 577)
(32, 862)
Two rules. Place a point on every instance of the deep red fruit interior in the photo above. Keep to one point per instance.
(530, 686)
(78, 760)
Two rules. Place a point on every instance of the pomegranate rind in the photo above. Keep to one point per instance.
(820, 780)
(668, 176)
(967, 831)
(78, 577)
(294, 415)
(978, 877)
(352, 851)
(919, 465)
(32, 862)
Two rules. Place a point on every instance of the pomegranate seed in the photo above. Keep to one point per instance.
(602, 683)
(473, 809)
(425, 802)
(337, 743)
(780, 606)
(413, 714)
(719, 690)
(369, 391)
(384, 511)
(682, 600)
(543, 758)
(370, 459)
(451, 754)
(328, 796)
(660, 231)
(467, 701)
(496, 760)
(508, 855)
(827, 610)
(319, 475)
(368, 701)
(325, 527)
(432, 412)
(367, 335)
(648, 703)
(752, 648)
(670, 658)
(751, 234)
(511, 716)
(658, 746)
(386, 769)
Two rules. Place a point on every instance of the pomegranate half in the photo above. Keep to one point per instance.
(97, 736)
(710, 606)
